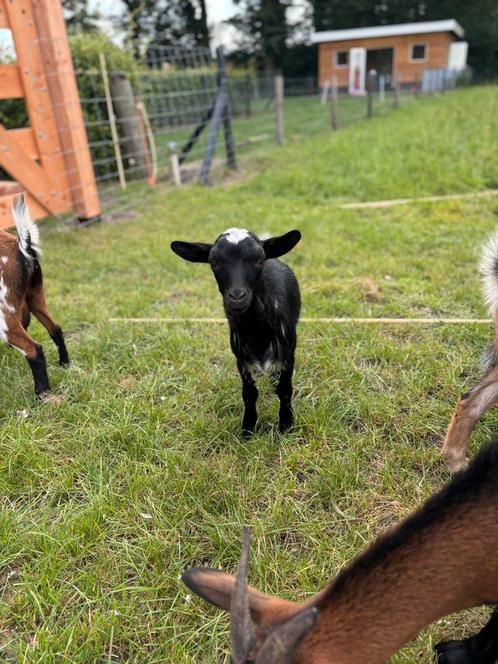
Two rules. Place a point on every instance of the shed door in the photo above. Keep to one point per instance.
(380, 59)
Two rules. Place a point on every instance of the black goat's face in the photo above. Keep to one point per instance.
(237, 259)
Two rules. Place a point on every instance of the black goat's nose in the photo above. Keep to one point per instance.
(237, 294)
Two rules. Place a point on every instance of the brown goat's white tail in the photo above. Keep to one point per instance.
(27, 230)
(489, 275)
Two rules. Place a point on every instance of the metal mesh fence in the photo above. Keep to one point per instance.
(139, 112)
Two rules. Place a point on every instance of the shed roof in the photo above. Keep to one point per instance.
(422, 27)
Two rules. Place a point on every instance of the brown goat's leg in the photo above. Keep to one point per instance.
(38, 306)
(468, 412)
(17, 337)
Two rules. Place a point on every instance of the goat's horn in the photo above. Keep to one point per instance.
(242, 634)
(279, 647)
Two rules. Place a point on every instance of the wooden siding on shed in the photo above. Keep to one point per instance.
(404, 69)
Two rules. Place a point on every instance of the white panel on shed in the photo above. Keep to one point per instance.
(357, 70)
(457, 58)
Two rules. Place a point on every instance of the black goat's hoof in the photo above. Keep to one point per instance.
(247, 433)
(285, 424)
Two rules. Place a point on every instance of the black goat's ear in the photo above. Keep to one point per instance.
(195, 252)
(278, 246)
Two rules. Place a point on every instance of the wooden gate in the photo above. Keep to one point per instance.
(50, 160)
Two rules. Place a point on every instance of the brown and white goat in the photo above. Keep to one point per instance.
(22, 294)
(472, 405)
(441, 559)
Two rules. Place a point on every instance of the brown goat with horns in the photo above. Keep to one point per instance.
(22, 294)
(441, 559)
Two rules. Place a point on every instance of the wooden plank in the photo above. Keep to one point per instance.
(36, 210)
(67, 107)
(17, 163)
(10, 82)
(26, 140)
(10, 187)
(4, 21)
(39, 106)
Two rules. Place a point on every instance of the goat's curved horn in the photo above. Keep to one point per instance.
(242, 634)
(279, 647)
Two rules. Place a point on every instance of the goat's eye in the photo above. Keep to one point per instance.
(215, 265)
(260, 263)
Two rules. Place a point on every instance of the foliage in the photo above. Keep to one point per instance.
(86, 49)
(264, 29)
(139, 472)
(165, 23)
(79, 17)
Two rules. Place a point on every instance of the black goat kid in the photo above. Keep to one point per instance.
(262, 303)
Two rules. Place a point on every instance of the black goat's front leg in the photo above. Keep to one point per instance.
(479, 649)
(250, 396)
(284, 392)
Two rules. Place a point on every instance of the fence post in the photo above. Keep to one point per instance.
(382, 88)
(247, 95)
(396, 94)
(227, 114)
(126, 113)
(176, 173)
(279, 107)
(67, 108)
(112, 122)
(369, 94)
(333, 102)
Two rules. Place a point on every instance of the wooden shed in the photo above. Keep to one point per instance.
(398, 52)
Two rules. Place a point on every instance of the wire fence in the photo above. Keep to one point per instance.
(144, 115)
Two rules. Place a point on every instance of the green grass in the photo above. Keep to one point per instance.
(139, 472)
(303, 117)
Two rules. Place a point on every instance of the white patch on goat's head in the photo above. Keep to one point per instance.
(4, 259)
(235, 235)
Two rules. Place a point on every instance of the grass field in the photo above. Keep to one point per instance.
(139, 471)
(304, 116)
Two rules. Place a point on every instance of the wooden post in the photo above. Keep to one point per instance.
(227, 113)
(124, 103)
(176, 173)
(279, 107)
(66, 104)
(333, 102)
(56, 197)
(369, 95)
(247, 95)
(112, 122)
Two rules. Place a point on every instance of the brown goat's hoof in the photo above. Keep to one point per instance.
(456, 464)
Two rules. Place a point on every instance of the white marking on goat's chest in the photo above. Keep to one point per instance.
(268, 367)
(235, 235)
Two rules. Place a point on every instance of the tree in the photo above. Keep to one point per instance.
(151, 23)
(78, 17)
(264, 31)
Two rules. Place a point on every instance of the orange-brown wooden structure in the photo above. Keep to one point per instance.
(50, 160)
(390, 50)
